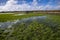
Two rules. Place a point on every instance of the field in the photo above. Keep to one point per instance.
(38, 26)
(12, 16)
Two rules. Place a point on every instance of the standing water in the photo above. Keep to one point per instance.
(40, 19)
(25, 20)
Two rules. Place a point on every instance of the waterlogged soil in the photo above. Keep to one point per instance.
(41, 19)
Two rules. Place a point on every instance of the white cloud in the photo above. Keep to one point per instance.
(12, 5)
(9, 5)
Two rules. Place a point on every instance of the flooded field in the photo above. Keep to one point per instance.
(29, 27)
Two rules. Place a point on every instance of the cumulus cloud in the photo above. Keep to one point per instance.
(11, 5)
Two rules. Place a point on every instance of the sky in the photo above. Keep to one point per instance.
(28, 5)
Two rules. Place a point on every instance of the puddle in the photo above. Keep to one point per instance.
(40, 19)
(31, 19)
(26, 20)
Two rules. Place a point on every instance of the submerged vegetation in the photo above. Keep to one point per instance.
(48, 30)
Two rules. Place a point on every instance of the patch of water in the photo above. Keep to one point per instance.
(7, 24)
(26, 20)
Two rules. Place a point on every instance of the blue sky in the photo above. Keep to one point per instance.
(40, 2)
(25, 5)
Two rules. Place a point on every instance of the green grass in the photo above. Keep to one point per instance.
(11, 17)
(33, 31)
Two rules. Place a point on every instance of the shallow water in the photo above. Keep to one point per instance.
(40, 19)
(26, 20)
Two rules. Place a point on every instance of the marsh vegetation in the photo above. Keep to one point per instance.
(29, 27)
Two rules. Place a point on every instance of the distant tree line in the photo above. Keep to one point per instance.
(35, 11)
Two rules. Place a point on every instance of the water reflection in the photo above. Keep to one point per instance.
(40, 19)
